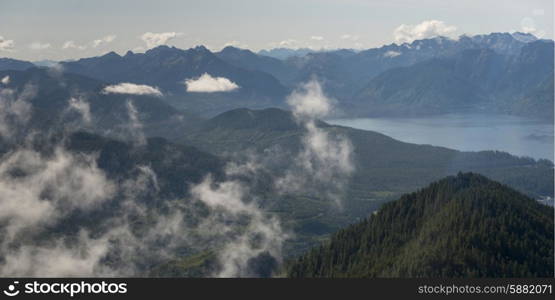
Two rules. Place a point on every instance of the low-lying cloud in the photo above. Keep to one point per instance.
(309, 101)
(48, 188)
(232, 203)
(325, 162)
(426, 29)
(391, 54)
(208, 84)
(47, 196)
(15, 109)
(132, 89)
(134, 126)
(82, 107)
(40, 191)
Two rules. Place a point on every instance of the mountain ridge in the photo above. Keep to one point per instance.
(475, 80)
(168, 68)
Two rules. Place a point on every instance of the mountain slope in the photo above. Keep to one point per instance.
(249, 60)
(49, 95)
(475, 80)
(436, 86)
(344, 75)
(175, 165)
(14, 64)
(444, 230)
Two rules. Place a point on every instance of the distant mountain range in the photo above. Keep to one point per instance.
(249, 60)
(45, 63)
(156, 148)
(285, 53)
(461, 226)
(168, 68)
(492, 73)
(505, 73)
(471, 80)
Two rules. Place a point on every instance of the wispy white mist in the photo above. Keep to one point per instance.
(40, 190)
(82, 107)
(247, 231)
(325, 162)
(50, 188)
(15, 109)
(5, 80)
(135, 126)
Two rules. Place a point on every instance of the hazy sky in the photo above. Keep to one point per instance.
(65, 29)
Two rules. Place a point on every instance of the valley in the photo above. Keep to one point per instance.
(197, 163)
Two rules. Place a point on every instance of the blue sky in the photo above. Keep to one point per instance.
(66, 29)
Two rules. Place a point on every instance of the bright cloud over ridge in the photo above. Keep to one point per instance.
(152, 39)
(132, 89)
(426, 29)
(208, 84)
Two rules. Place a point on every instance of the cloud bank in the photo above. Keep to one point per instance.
(104, 40)
(39, 46)
(42, 191)
(132, 89)
(351, 37)
(426, 29)
(6, 45)
(236, 44)
(50, 188)
(73, 45)
(208, 84)
(156, 39)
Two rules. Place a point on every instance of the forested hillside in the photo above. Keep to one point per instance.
(461, 226)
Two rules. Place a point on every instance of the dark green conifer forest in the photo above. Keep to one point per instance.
(461, 226)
